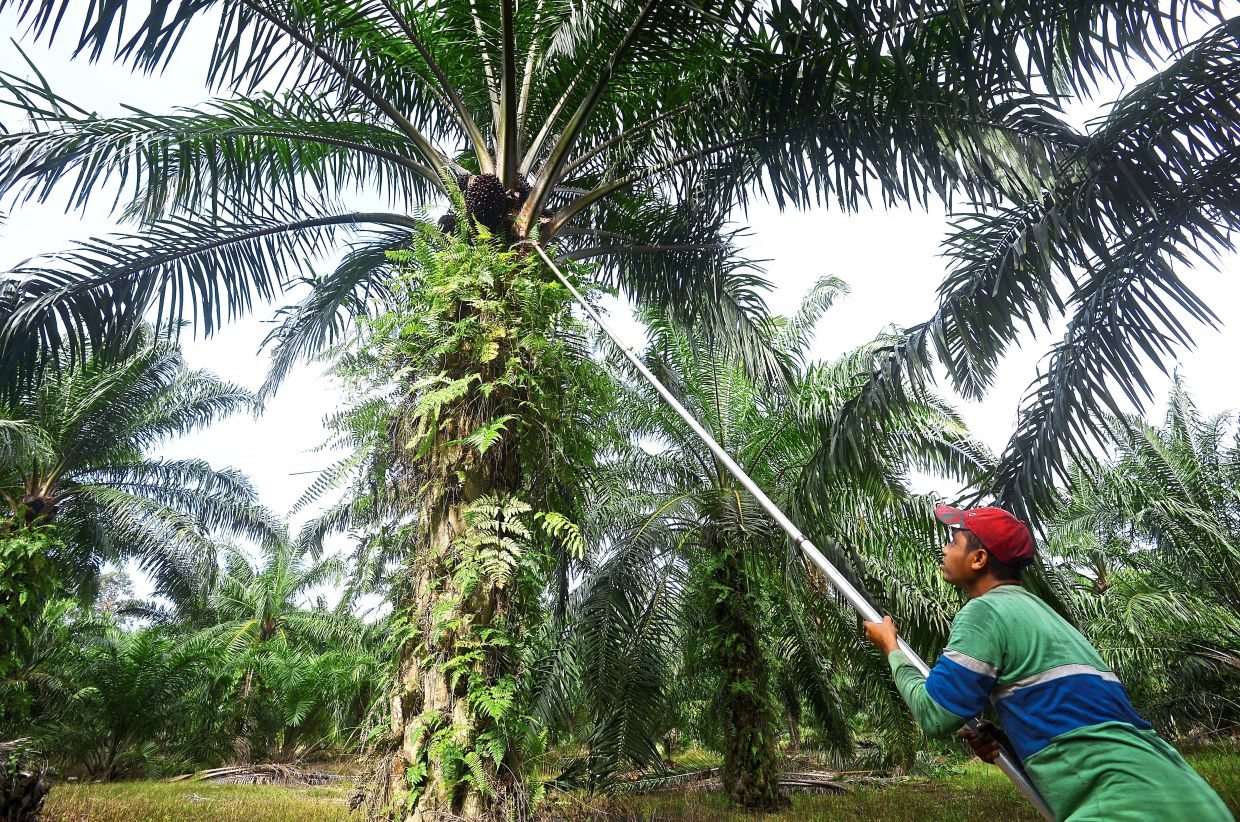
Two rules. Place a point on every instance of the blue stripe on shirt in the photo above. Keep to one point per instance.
(1035, 715)
(957, 689)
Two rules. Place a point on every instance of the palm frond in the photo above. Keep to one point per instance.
(262, 151)
(199, 270)
(322, 317)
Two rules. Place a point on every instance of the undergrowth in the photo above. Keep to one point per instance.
(973, 792)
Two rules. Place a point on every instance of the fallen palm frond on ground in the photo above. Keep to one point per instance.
(269, 774)
(708, 780)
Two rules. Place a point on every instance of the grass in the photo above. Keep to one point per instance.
(196, 802)
(975, 792)
(1220, 766)
(978, 792)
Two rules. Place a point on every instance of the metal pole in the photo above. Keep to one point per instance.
(868, 612)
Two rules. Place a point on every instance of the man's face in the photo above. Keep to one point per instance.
(960, 564)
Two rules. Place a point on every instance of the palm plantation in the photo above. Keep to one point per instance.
(678, 511)
(77, 476)
(622, 135)
(1152, 534)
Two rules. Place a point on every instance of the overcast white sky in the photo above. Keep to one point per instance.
(889, 258)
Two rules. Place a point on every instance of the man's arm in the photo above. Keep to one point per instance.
(934, 719)
(956, 690)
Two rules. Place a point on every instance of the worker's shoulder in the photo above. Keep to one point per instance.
(1004, 599)
(1008, 604)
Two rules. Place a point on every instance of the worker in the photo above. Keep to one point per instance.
(1065, 713)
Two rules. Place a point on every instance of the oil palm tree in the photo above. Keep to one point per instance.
(623, 133)
(40, 685)
(255, 603)
(78, 459)
(262, 617)
(701, 568)
(1154, 535)
(135, 688)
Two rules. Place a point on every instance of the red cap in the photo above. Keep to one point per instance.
(999, 532)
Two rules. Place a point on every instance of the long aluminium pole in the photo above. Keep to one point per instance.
(868, 612)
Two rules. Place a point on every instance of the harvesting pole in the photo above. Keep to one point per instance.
(856, 599)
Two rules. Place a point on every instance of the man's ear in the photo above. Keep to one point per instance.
(979, 560)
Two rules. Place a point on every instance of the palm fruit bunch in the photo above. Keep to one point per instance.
(487, 201)
(448, 223)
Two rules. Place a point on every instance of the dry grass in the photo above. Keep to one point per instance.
(196, 802)
(977, 792)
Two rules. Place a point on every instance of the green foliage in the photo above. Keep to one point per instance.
(147, 702)
(494, 543)
(599, 142)
(27, 580)
(236, 670)
(80, 460)
(1152, 537)
(133, 689)
(591, 137)
(567, 532)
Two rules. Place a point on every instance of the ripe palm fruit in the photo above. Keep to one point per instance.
(486, 199)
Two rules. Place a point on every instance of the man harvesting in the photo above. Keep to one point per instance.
(1066, 714)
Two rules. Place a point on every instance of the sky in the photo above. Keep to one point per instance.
(889, 258)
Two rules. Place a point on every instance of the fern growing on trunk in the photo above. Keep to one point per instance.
(485, 351)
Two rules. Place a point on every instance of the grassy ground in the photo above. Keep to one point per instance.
(196, 802)
(976, 792)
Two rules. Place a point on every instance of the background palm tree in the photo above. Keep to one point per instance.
(119, 699)
(699, 581)
(289, 670)
(1153, 536)
(254, 603)
(40, 683)
(136, 685)
(80, 461)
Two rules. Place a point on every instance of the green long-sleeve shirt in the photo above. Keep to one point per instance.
(1068, 717)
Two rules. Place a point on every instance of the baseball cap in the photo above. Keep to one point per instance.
(1000, 533)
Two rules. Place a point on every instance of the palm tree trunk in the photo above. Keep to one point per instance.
(288, 745)
(243, 750)
(561, 585)
(109, 766)
(444, 764)
(428, 702)
(751, 765)
(794, 732)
